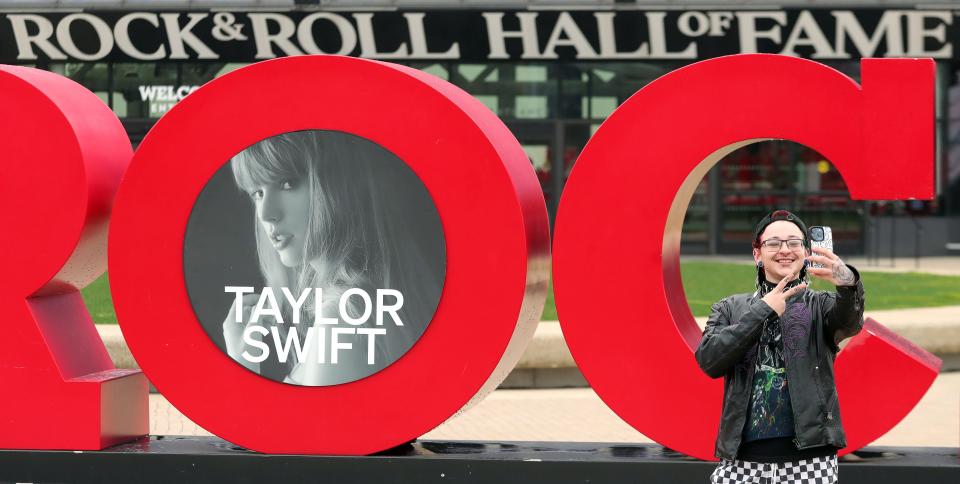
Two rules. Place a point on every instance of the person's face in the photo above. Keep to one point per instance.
(782, 261)
(283, 209)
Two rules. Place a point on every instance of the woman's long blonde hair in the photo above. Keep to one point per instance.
(362, 200)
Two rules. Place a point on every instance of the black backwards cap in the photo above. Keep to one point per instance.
(776, 216)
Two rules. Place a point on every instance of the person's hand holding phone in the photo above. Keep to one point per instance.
(832, 268)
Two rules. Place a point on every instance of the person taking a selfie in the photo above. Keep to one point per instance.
(775, 349)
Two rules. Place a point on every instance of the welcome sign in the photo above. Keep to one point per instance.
(359, 263)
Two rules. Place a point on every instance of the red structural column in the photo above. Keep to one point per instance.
(64, 154)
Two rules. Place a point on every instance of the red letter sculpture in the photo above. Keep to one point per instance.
(617, 241)
(65, 152)
(494, 223)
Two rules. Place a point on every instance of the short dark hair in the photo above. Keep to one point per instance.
(776, 216)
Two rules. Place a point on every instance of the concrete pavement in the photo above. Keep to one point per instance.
(578, 415)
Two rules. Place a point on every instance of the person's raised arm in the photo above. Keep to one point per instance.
(844, 308)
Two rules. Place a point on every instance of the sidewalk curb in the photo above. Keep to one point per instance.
(547, 362)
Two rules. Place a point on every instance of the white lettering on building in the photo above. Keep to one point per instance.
(161, 98)
(524, 35)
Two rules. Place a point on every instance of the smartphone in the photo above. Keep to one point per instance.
(820, 236)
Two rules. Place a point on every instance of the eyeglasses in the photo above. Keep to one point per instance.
(776, 244)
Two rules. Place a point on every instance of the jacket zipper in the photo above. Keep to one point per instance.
(816, 377)
(816, 382)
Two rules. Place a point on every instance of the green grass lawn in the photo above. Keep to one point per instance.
(99, 302)
(706, 283)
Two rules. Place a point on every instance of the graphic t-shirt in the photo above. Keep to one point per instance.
(770, 413)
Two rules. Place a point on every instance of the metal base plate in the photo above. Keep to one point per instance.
(159, 459)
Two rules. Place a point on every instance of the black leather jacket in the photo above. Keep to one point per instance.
(814, 323)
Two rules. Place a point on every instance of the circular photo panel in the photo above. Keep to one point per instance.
(314, 258)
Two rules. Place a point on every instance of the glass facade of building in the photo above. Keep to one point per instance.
(554, 107)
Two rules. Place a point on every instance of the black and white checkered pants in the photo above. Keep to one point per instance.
(818, 470)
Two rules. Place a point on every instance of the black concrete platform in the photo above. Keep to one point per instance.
(206, 459)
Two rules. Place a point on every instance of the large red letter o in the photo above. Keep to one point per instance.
(494, 222)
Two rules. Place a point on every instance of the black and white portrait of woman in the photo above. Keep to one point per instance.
(314, 258)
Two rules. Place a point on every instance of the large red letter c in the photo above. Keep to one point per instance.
(617, 237)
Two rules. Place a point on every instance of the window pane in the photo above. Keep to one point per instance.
(91, 75)
(593, 91)
(512, 91)
(144, 90)
(769, 175)
(435, 69)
